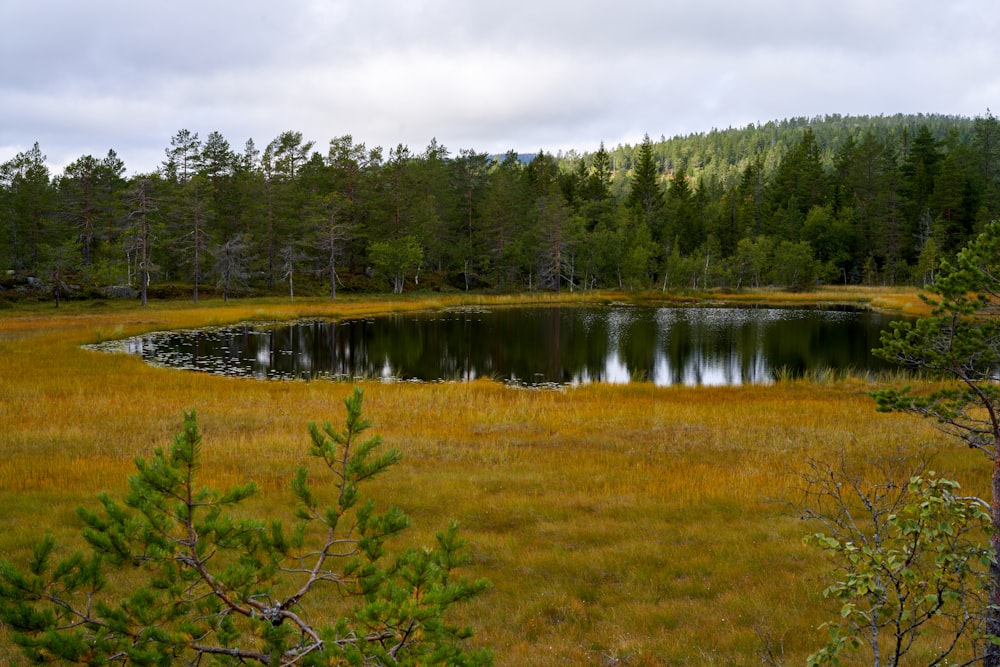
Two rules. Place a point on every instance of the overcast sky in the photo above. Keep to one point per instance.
(84, 77)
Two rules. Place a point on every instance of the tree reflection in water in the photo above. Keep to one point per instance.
(537, 345)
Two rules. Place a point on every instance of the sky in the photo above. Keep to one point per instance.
(81, 78)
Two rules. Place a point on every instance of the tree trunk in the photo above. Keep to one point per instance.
(144, 273)
(991, 656)
(197, 277)
(333, 275)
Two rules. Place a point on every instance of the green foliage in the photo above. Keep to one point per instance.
(206, 583)
(753, 259)
(794, 265)
(878, 199)
(960, 344)
(396, 259)
(959, 341)
(911, 566)
(646, 194)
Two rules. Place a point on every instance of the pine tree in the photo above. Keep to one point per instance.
(470, 175)
(283, 160)
(77, 194)
(206, 584)
(182, 156)
(29, 199)
(987, 143)
(960, 343)
(506, 207)
(142, 227)
(554, 239)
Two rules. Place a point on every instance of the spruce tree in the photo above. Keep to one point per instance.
(645, 197)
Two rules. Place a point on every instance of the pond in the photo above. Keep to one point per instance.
(536, 346)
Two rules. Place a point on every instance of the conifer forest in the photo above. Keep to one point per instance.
(794, 203)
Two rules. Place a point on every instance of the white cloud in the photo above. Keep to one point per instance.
(524, 74)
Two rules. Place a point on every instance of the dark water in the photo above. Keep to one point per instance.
(537, 346)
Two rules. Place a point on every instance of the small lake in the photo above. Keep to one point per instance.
(536, 346)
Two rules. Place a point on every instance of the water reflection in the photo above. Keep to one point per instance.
(568, 345)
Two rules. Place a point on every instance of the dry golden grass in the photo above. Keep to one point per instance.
(903, 300)
(618, 524)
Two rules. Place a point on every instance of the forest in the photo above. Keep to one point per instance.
(829, 200)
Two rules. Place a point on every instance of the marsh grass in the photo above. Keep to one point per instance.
(905, 301)
(619, 524)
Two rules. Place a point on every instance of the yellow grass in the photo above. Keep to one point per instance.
(618, 524)
(902, 300)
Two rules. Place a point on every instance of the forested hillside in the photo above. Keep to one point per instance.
(791, 203)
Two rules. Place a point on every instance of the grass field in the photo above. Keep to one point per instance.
(619, 525)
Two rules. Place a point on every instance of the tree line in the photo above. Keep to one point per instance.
(849, 200)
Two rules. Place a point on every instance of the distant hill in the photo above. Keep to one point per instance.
(723, 154)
